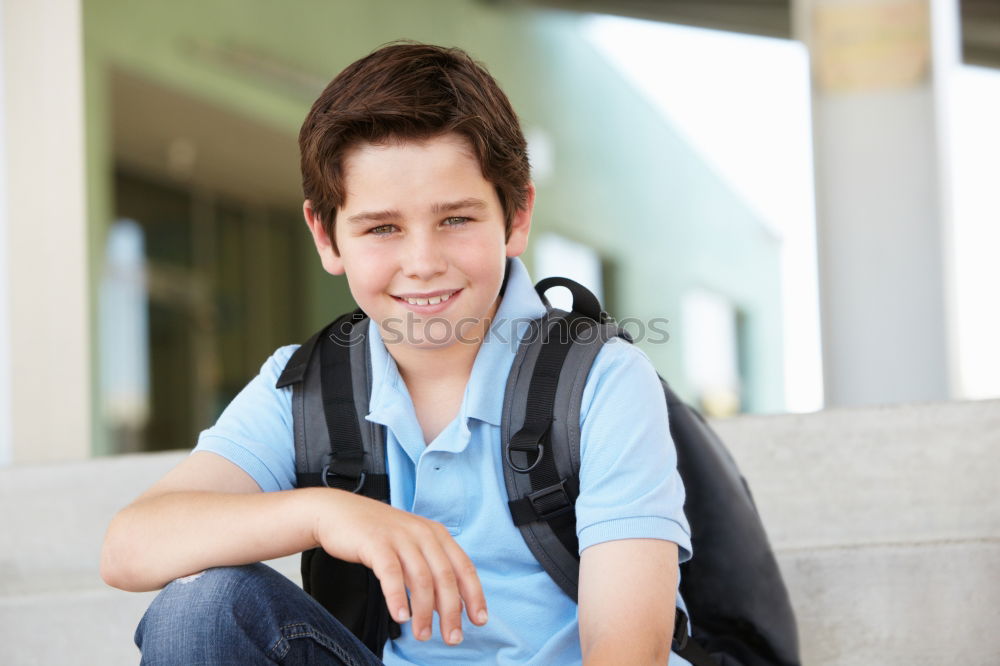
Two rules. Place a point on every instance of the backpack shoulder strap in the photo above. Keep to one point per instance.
(540, 428)
(307, 436)
(335, 445)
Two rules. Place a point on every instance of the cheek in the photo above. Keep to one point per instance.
(485, 259)
(368, 267)
(368, 281)
(481, 252)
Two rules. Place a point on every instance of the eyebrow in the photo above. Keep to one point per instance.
(462, 204)
(374, 216)
(437, 209)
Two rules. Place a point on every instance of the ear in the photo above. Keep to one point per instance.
(521, 225)
(332, 263)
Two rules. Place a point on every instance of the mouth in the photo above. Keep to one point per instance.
(429, 302)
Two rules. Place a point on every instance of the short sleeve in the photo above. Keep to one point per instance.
(255, 430)
(629, 484)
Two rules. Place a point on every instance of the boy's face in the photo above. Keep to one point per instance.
(421, 222)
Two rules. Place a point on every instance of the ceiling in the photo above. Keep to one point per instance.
(198, 142)
(980, 19)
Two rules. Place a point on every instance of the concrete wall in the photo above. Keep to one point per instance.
(884, 520)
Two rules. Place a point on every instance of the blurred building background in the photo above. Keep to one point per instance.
(153, 255)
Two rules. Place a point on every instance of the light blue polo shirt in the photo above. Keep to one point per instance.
(629, 486)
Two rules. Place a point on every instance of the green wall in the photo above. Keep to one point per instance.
(624, 183)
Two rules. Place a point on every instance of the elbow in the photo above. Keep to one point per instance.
(110, 573)
(126, 578)
(113, 570)
(117, 564)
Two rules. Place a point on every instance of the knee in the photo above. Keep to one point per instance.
(195, 612)
(203, 594)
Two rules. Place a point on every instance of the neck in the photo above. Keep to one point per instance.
(439, 365)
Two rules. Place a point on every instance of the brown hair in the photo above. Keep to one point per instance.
(411, 91)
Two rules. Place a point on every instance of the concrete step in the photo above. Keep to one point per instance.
(900, 473)
(912, 603)
(886, 525)
(54, 607)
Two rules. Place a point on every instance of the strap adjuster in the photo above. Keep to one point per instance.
(343, 472)
(680, 638)
(551, 502)
(527, 442)
(328, 480)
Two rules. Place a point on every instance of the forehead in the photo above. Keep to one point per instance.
(440, 165)
(364, 154)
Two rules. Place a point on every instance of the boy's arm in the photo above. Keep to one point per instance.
(208, 512)
(205, 512)
(627, 597)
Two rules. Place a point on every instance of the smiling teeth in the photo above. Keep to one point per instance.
(428, 301)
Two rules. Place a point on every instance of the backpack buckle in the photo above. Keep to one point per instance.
(550, 502)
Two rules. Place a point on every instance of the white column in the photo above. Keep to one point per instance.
(879, 69)
(44, 348)
(6, 441)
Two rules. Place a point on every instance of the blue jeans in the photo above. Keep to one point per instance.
(244, 616)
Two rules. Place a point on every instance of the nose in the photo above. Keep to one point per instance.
(424, 258)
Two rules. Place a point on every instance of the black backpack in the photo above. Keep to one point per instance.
(741, 614)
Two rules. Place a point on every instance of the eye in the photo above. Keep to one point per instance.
(456, 221)
(381, 230)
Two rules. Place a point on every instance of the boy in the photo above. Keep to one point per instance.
(417, 188)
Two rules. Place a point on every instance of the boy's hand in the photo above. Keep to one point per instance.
(406, 552)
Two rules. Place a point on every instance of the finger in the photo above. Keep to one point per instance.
(389, 572)
(469, 585)
(448, 600)
(420, 582)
